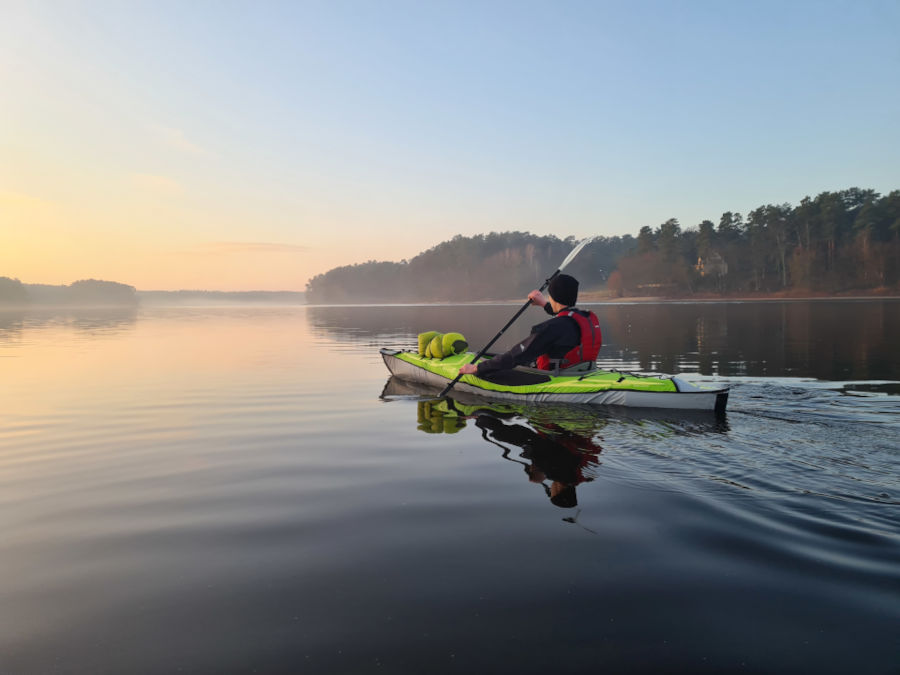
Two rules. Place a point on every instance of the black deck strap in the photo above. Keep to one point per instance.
(621, 377)
(515, 377)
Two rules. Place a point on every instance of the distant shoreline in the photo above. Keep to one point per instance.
(593, 299)
(602, 297)
(94, 294)
(739, 297)
(223, 299)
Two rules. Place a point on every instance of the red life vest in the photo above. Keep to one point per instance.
(587, 350)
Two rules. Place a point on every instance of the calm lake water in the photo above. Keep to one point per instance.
(243, 490)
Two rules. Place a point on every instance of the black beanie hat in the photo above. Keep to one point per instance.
(564, 289)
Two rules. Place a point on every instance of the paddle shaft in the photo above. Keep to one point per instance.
(497, 336)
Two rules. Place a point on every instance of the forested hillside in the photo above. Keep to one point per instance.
(484, 267)
(836, 242)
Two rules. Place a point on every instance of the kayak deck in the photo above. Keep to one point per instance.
(594, 387)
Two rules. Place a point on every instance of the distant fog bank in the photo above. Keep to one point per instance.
(219, 298)
(95, 293)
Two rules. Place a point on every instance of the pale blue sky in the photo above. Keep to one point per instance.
(336, 132)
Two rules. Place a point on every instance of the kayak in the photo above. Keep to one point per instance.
(531, 386)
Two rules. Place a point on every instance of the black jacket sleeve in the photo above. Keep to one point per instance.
(555, 337)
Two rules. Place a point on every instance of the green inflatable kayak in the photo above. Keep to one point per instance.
(529, 385)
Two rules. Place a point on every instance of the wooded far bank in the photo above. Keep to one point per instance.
(837, 242)
(93, 293)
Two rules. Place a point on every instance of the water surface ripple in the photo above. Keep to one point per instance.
(240, 490)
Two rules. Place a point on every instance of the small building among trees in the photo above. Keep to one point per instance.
(713, 266)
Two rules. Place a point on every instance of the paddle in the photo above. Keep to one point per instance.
(569, 258)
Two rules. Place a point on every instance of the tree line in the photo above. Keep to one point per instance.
(838, 241)
(84, 293)
(495, 266)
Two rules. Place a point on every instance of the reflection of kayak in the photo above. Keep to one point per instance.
(581, 419)
(528, 385)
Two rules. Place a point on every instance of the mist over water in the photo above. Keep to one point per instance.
(230, 489)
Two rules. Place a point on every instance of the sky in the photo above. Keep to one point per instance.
(252, 145)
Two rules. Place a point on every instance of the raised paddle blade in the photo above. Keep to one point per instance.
(575, 252)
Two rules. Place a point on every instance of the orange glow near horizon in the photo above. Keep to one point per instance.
(177, 217)
(57, 242)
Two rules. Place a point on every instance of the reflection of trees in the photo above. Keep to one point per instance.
(668, 338)
(14, 324)
(11, 323)
(398, 326)
(829, 340)
(106, 321)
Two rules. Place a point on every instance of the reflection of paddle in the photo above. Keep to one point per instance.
(569, 258)
(574, 521)
(505, 455)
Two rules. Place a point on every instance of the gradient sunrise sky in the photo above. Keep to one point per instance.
(252, 145)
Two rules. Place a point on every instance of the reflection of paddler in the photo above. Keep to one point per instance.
(560, 456)
(561, 451)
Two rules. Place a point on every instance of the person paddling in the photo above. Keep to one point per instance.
(571, 337)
